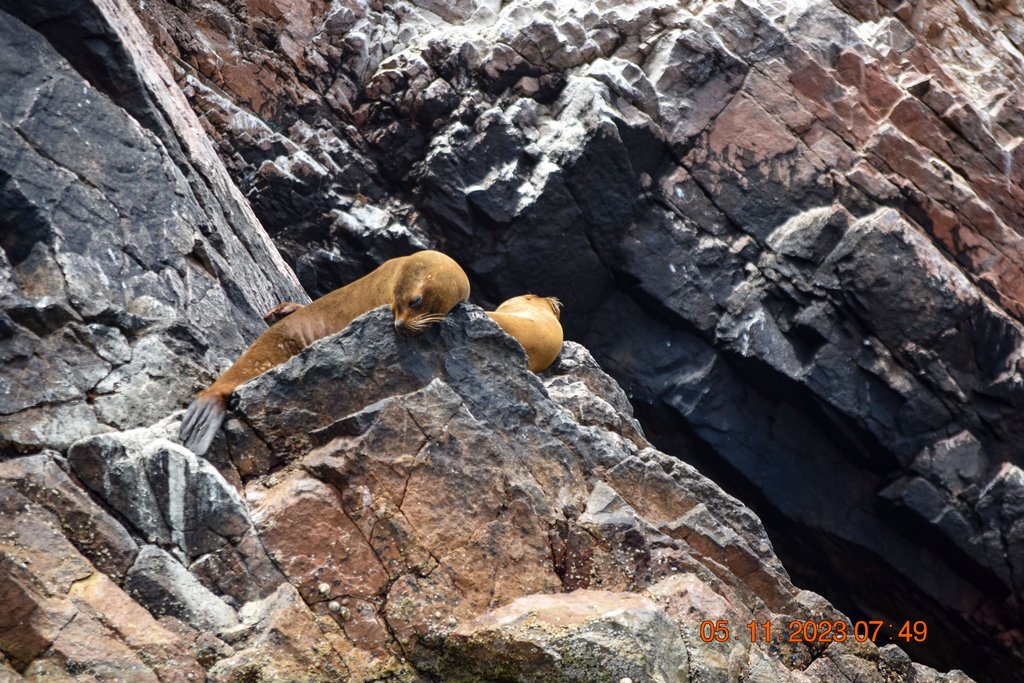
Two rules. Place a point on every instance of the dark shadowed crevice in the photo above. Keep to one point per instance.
(858, 581)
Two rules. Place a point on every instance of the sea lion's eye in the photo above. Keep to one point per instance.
(416, 302)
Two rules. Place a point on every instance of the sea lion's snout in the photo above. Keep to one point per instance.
(407, 328)
(415, 326)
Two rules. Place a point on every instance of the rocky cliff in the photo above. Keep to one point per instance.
(791, 231)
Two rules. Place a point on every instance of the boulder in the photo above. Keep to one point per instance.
(170, 495)
(583, 635)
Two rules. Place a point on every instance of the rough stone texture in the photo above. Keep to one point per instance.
(7, 674)
(791, 230)
(43, 480)
(285, 640)
(64, 618)
(420, 485)
(164, 586)
(411, 466)
(170, 495)
(584, 635)
(124, 267)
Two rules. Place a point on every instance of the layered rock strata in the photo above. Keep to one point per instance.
(128, 259)
(792, 231)
(412, 509)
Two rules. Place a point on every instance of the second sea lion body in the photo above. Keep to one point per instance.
(534, 321)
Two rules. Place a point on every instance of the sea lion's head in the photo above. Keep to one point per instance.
(525, 302)
(552, 302)
(427, 285)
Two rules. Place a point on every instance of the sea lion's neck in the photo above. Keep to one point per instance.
(334, 311)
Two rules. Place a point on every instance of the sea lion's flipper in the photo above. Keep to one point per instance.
(201, 422)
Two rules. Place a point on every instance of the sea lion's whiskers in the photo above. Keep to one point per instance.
(424, 321)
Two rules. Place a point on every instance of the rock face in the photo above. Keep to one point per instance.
(63, 616)
(791, 230)
(584, 635)
(126, 264)
(427, 503)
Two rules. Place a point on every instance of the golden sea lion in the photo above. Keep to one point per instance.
(420, 288)
(527, 318)
(534, 322)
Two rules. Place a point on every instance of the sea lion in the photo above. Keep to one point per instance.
(527, 318)
(534, 322)
(420, 288)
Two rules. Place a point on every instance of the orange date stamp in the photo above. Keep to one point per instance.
(809, 631)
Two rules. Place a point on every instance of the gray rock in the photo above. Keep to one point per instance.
(9, 675)
(170, 495)
(579, 385)
(164, 587)
(111, 299)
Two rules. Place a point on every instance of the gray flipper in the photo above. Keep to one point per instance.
(201, 422)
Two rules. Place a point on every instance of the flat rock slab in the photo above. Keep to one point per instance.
(584, 635)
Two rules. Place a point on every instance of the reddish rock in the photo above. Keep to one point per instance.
(62, 615)
(31, 620)
(751, 133)
(96, 534)
(91, 653)
(331, 550)
(419, 516)
(160, 649)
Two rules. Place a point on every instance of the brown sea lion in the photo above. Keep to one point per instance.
(534, 322)
(527, 318)
(420, 288)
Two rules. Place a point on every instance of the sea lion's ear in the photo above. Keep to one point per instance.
(556, 306)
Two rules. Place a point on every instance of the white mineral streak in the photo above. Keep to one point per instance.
(177, 474)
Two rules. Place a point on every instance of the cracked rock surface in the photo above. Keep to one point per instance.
(124, 265)
(792, 231)
(431, 510)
